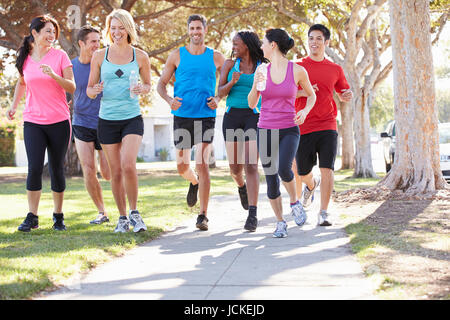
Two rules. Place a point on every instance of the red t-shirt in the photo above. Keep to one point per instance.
(328, 76)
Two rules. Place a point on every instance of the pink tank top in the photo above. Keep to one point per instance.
(278, 102)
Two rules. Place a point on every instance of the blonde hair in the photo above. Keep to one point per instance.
(128, 23)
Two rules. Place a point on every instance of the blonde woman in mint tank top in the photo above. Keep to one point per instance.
(278, 132)
(120, 127)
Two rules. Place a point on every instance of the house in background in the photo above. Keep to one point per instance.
(158, 133)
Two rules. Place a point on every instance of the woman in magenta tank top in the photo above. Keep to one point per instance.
(278, 132)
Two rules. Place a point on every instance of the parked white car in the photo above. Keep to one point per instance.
(388, 141)
(444, 148)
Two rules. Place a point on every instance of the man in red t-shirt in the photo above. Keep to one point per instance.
(319, 131)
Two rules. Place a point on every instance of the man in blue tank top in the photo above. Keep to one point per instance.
(85, 119)
(194, 108)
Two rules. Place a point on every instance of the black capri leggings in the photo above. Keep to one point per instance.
(277, 149)
(53, 137)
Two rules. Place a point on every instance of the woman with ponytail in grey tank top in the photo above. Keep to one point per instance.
(278, 133)
(120, 126)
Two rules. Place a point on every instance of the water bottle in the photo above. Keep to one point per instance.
(133, 82)
(261, 85)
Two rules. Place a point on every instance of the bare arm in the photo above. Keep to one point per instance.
(144, 72)
(224, 85)
(302, 79)
(346, 95)
(19, 91)
(66, 81)
(219, 60)
(168, 71)
(254, 94)
(94, 88)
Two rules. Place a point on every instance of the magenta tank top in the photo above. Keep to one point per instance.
(278, 102)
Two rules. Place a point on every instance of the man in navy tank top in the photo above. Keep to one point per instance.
(193, 105)
(85, 119)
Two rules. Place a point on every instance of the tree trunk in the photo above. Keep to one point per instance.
(416, 166)
(346, 132)
(361, 128)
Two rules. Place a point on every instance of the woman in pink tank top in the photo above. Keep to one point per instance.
(278, 132)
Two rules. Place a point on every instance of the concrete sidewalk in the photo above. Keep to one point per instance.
(228, 263)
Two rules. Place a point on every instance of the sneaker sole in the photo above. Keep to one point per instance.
(250, 229)
(202, 227)
(139, 230)
(283, 236)
(324, 224)
(28, 229)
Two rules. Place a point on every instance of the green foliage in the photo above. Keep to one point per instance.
(443, 104)
(163, 154)
(382, 107)
(7, 143)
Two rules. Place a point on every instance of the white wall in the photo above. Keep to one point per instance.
(158, 134)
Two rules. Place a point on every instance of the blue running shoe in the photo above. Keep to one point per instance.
(299, 213)
(281, 230)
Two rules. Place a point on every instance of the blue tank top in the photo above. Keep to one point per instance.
(85, 109)
(116, 103)
(237, 97)
(195, 82)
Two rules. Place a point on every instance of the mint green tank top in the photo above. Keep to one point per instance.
(116, 103)
(237, 97)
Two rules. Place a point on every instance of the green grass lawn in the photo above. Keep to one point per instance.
(343, 180)
(35, 261)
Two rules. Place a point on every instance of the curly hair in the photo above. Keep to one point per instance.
(253, 43)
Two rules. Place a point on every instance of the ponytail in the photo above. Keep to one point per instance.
(24, 51)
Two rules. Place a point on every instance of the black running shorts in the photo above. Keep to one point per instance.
(322, 143)
(240, 125)
(191, 131)
(113, 131)
(87, 135)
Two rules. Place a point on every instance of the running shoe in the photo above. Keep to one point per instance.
(299, 213)
(243, 196)
(322, 219)
(202, 222)
(281, 230)
(58, 222)
(191, 197)
(101, 218)
(31, 222)
(123, 225)
(251, 223)
(308, 195)
(137, 222)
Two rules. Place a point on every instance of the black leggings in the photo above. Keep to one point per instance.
(277, 149)
(53, 137)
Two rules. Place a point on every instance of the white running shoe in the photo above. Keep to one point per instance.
(123, 225)
(281, 230)
(299, 214)
(137, 222)
(308, 195)
(322, 219)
